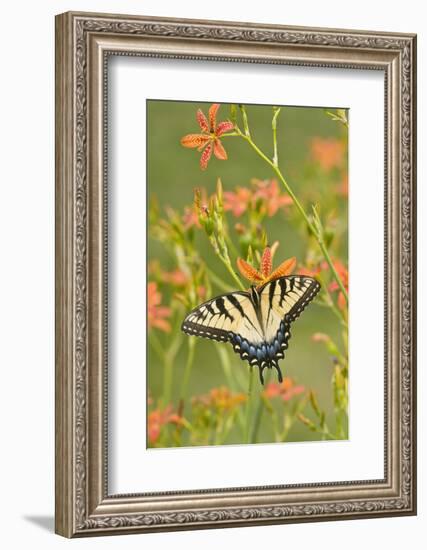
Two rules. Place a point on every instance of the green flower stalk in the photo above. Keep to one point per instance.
(313, 223)
(211, 218)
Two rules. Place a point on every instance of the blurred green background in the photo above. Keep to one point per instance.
(174, 172)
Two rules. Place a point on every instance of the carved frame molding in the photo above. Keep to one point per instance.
(83, 43)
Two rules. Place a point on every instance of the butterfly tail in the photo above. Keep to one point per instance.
(271, 364)
(275, 364)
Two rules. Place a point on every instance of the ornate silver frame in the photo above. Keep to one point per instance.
(83, 42)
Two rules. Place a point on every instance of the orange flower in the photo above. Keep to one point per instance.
(342, 271)
(157, 314)
(237, 201)
(159, 418)
(208, 140)
(221, 398)
(267, 193)
(286, 389)
(328, 152)
(190, 218)
(343, 275)
(265, 275)
(177, 277)
(307, 272)
(201, 292)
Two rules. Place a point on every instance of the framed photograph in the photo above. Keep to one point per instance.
(235, 274)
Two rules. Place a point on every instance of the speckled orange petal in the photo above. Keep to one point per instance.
(249, 272)
(285, 268)
(223, 127)
(202, 145)
(202, 120)
(206, 155)
(219, 150)
(194, 140)
(212, 116)
(266, 262)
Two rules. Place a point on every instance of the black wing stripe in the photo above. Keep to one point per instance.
(282, 284)
(302, 303)
(220, 304)
(271, 293)
(263, 353)
(270, 299)
(210, 309)
(235, 302)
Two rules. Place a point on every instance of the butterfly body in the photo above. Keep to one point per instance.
(256, 322)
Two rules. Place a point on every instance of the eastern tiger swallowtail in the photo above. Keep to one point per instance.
(257, 322)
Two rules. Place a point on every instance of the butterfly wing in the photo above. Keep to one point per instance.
(281, 302)
(258, 324)
(228, 318)
(224, 316)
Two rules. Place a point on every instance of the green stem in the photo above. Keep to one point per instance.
(188, 367)
(167, 380)
(326, 433)
(154, 341)
(288, 423)
(334, 308)
(231, 379)
(230, 243)
(230, 134)
(331, 265)
(232, 272)
(245, 121)
(218, 281)
(228, 425)
(225, 364)
(259, 411)
(168, 367)
(222, 253)
(276, 112)
(295, 200)
(249, 406)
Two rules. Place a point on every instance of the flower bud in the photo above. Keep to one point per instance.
(307, 422)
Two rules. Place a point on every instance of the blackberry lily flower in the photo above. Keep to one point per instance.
(265, 273)
(208, 140)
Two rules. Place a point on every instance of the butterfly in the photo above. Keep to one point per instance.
(256, 322)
